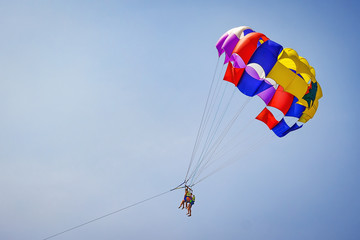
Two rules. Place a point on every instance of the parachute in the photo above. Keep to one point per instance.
(286, 82)
(257, 66)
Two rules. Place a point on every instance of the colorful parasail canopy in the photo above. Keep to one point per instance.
(285, 81)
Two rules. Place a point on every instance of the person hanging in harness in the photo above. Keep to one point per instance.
(187, 197)
(191, 203)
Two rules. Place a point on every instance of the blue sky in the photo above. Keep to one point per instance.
(101, 102)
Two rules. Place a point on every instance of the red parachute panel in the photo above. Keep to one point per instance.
(268, 118)
(245, 49)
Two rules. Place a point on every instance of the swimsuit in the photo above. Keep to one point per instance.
(192, 201)
(185, 198)
(188, 195)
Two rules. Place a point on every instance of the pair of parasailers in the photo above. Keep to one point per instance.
(188, 201)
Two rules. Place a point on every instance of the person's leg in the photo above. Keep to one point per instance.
(182, 204)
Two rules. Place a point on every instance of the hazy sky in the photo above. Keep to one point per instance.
(100, 104)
